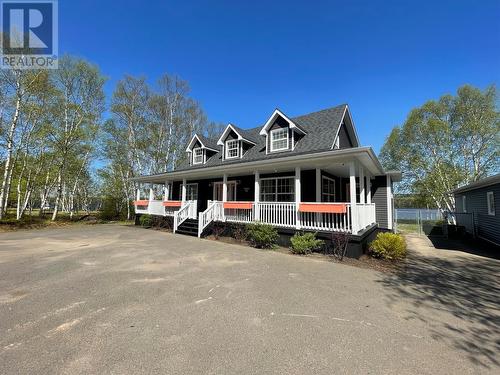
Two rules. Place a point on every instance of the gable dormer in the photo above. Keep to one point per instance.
(282, 134)
(235, 142)
(200, 149)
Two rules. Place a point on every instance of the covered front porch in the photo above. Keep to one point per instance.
(323, 197)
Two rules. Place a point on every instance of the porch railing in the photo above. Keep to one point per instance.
(340, 217)
(189, 210)
(327, 221)
(213, 212)
(277, 213)
(364, 216)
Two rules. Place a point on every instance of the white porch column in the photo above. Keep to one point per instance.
(184, 190)
(138, 194)
(318, 185)
(297, 196)
(151, 193)
(361, 184)
(256, 198)
(368, 188)
(167, 190)
(224, 188)
(224, 194)
(352, 189)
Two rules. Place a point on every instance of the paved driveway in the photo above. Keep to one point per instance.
(113, 299)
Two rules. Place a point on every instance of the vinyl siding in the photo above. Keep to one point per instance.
(379, 197)
(487, 226)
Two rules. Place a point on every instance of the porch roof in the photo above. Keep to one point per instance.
(323, 159)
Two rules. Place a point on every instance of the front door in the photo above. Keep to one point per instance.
(231, 191)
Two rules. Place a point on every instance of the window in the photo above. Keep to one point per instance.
(464, 203)
(232, 149)
(328, 189)
(280, 189)
(191, 192)
(279, 139)
(197, 156)
(490, 198)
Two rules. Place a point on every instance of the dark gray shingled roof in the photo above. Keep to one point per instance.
(248, 134)
(208, 142)
(321, 128)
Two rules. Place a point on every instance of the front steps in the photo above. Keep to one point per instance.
(189, 228)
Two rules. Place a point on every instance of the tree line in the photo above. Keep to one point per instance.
(63, 148)
(53, 137)
(444, 144)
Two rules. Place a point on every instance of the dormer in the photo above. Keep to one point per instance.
(235, 142)
(282, 134)
(200, 149)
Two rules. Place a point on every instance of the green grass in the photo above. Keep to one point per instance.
(10, 223)
(408, 228)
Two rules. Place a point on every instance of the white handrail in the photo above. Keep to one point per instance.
(206, 217)
(181, 215)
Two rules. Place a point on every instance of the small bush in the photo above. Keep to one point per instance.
(262, 235)
(146, 221)
(239, 232)
(305, 243)
(340, 241)
(389, 246)
(217, 230)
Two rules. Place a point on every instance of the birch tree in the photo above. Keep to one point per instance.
(76, 114)
(445, 144)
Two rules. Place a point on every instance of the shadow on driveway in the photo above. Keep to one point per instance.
(456, 295)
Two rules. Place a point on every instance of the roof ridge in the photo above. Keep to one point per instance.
(321, 110)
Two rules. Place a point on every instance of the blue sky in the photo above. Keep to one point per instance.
(243, 59)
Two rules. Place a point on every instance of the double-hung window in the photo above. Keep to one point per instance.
(197, 156)
(279, 139)
(490, 198)
(280, 189)
(232, 149)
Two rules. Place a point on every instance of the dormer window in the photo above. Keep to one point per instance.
(197, 155)
(232, 149)
(279, 139)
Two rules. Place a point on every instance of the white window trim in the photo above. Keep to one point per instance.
(464, 204)
(490, 198)
(334, 189)
(274, 131)
(276, 187)
(226, 149)
(194, 155)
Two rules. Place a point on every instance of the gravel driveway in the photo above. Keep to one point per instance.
(115, 299)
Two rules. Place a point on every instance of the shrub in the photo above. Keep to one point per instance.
(239, 232)
(305, 243)
(217, 230)
(146, 220)
(340, 241)
(389, 246)
(262, 235)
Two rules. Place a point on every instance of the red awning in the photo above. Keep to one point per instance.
(172, 203)
(238, 205)
(340, 208)
(141, 203)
